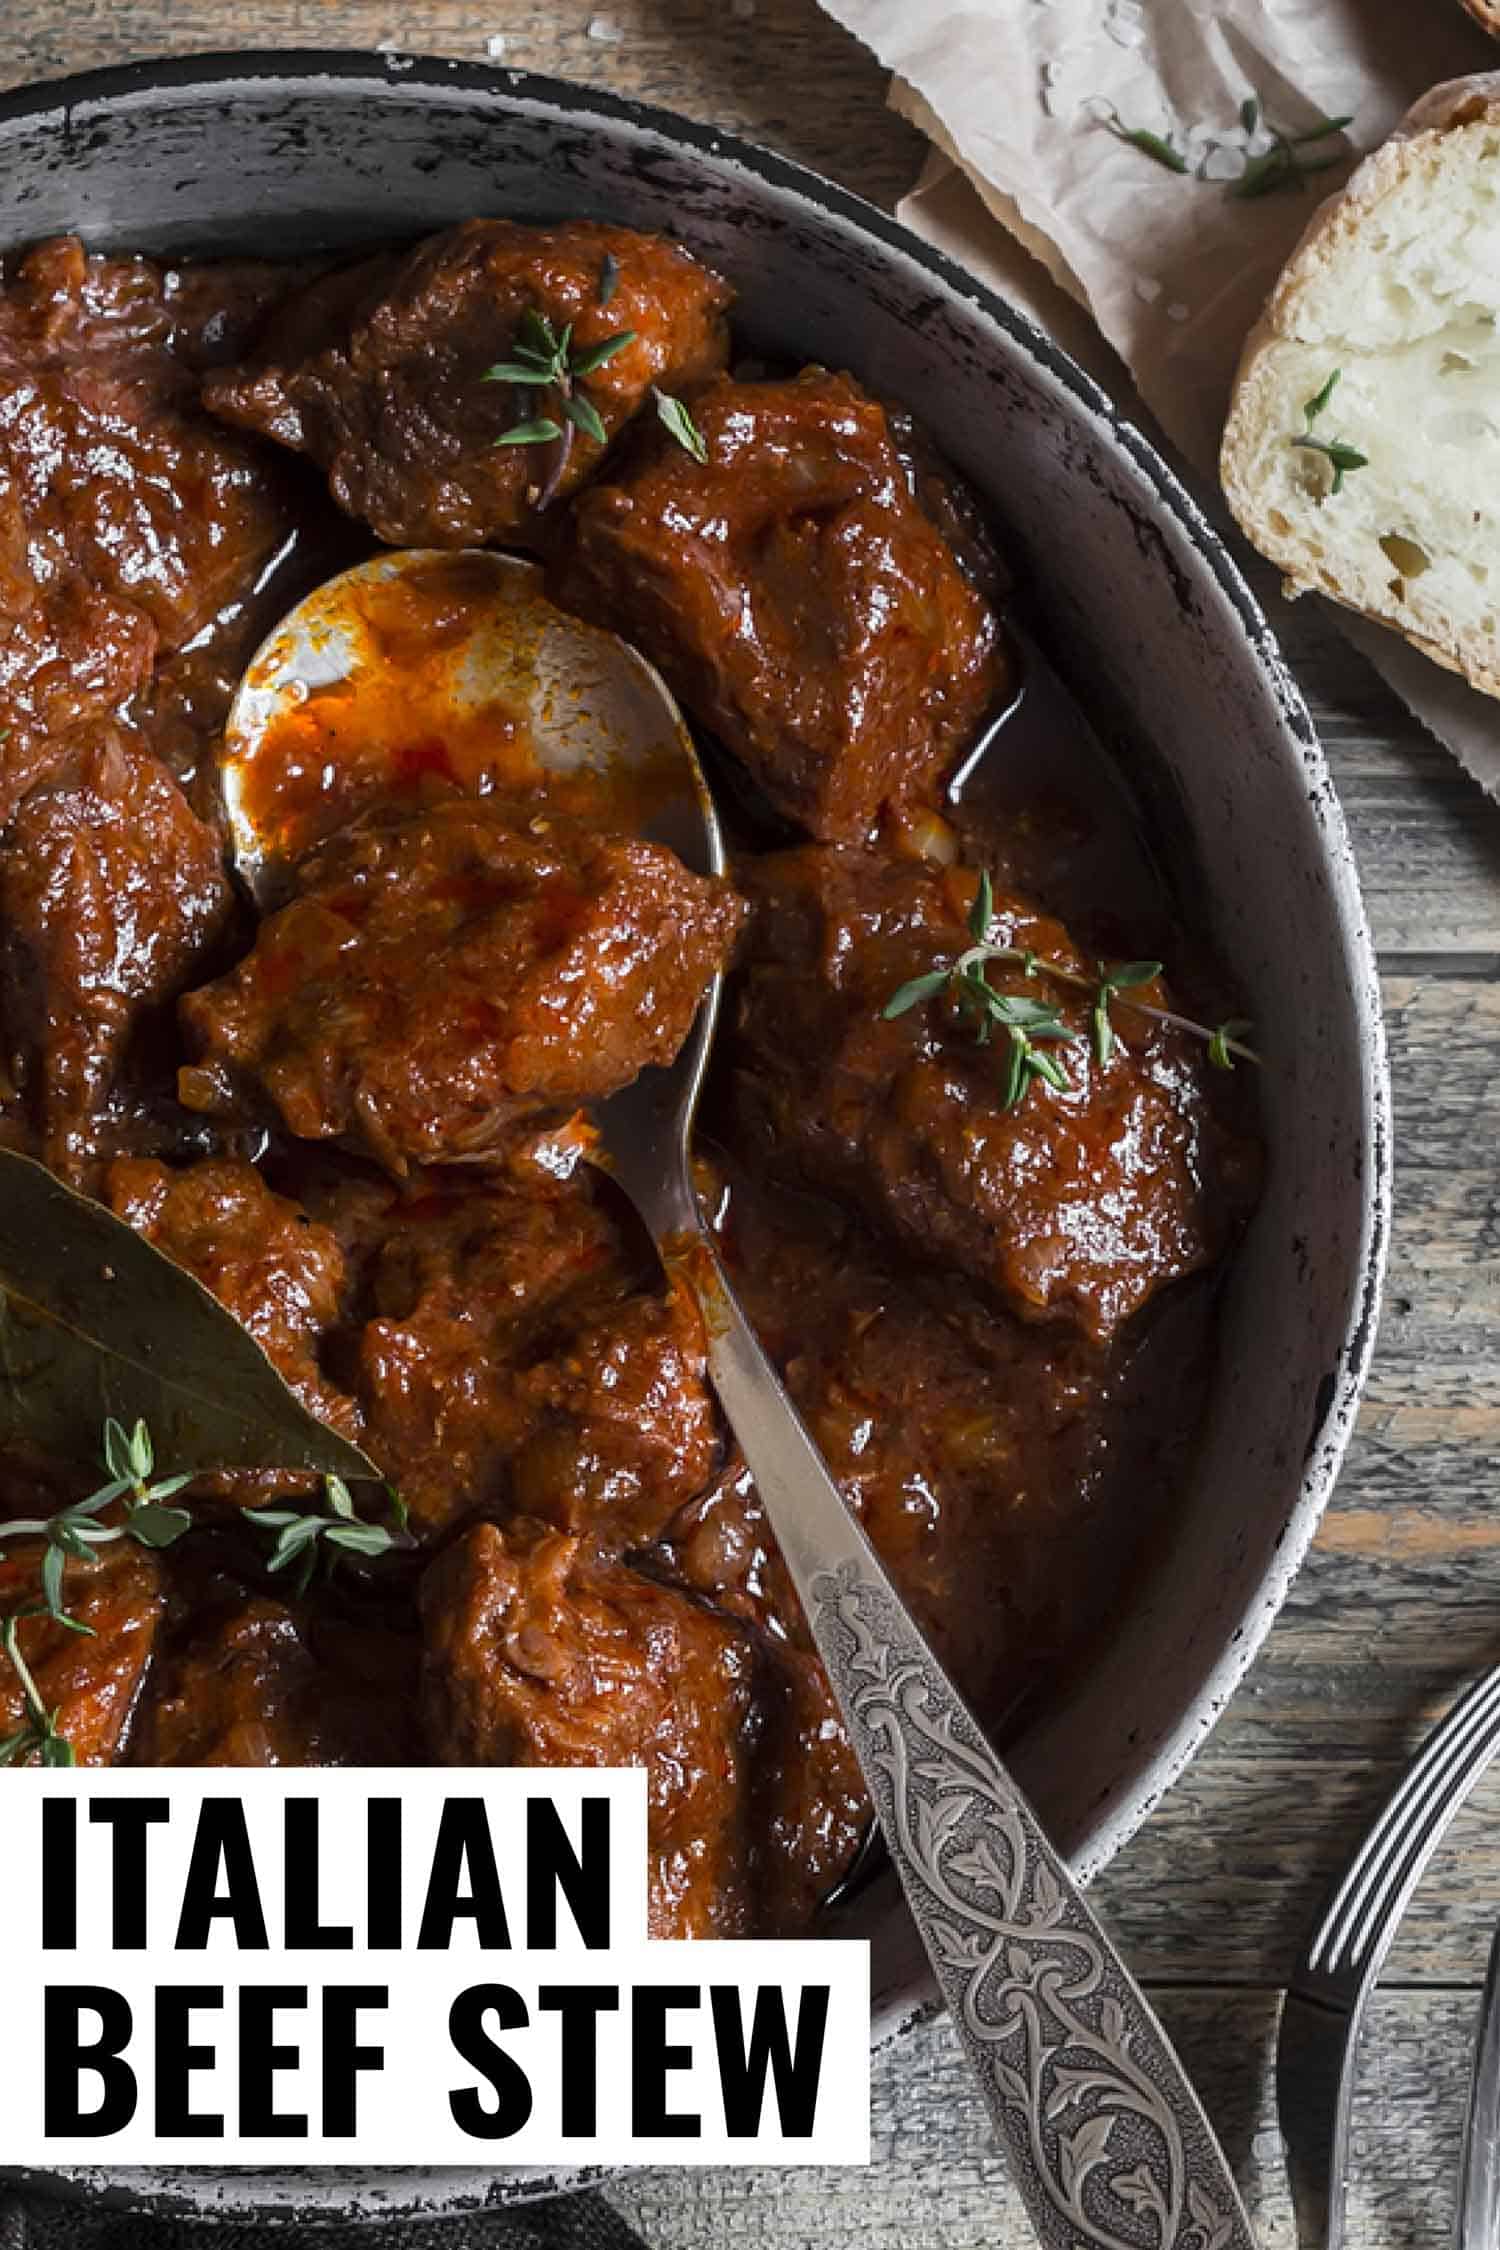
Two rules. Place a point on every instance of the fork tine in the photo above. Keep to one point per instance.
(1448, 1789)
(1409, 1811)
(1385, 1870)
(1411, 1814)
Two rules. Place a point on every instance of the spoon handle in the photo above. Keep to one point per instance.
(1106, 2138)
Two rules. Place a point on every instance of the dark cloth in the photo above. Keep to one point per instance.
(569, 2222)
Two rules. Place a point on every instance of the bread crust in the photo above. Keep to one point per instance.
(1486, 12)
(1460, 101)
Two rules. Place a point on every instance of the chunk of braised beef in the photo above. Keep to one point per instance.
(998, 1464)
(523, 1354)
(810, 1805)
(1078, 1202)
(248, 1680)
(128, 518)
(797, 596)
(540, 1651)
(381, 377)
(445, 976)
(279, 1272)
(113, 896)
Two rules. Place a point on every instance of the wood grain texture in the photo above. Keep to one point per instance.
(937, 2186)
(779, 71)
(1400, 1602)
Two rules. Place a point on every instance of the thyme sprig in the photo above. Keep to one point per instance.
(75, 1532)
(1289, 162)
(1343, 456)
(966, 986)
(546, 362)
(1284, 165)
(302, 1536)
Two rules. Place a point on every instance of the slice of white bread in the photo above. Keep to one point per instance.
(1395, 285)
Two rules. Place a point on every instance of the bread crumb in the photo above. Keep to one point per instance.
(606, 31)
(1148, 289)
(1178, 312)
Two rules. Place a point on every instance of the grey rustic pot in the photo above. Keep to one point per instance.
(277, 153)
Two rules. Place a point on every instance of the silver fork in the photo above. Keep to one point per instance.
(1328, 1994)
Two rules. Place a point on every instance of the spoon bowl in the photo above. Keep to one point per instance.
(422, 670)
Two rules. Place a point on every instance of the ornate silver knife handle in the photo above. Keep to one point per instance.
(1106, 2138)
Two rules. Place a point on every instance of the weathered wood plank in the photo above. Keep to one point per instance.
(1399, 1603)
(939, 2185)
(781, 72)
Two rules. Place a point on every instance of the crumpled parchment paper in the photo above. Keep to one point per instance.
(1031, 190)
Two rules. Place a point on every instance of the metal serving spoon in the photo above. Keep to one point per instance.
(1105, 2135)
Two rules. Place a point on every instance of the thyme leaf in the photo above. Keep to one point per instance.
(585, 416)
(680, 424)
(540, 431)
(585, 362)
(1223, 1044)
(1319, 399)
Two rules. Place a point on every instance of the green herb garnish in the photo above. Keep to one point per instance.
(609, 277)
(540, 431)
(1025, 1021)
(1127, 976)
(75, 1532)
(1223, 1046)
(1283, 164)
(1343, 457)
(1154, 145)
(1289, 161)
(544, 361)
(339, 1528)
(681, 425)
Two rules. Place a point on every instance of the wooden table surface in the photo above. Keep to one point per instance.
(1397, 1605)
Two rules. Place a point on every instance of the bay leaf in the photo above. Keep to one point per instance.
(94, 1321)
